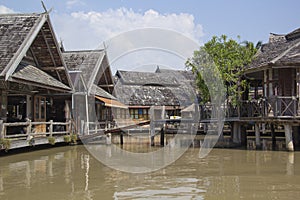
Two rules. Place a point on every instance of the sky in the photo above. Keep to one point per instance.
(86, 24)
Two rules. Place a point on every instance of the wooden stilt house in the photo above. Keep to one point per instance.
(273, 98)
(93, 99)
(168, 91)
(34, 82)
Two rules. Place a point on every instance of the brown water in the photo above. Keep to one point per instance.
(72, 173)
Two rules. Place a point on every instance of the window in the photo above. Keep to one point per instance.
(139, 113)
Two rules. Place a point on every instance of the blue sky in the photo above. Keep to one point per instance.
(252, 20)
(85, 24)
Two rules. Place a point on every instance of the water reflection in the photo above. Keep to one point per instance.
(72, 173)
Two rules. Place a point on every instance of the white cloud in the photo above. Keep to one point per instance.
(87, 30)
(5, 10)
(71, 3)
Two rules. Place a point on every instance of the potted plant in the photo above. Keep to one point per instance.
(67, 138)
(74, 139)
(5, 143)
(51, 140)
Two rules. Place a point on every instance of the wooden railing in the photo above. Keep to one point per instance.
(278, 106)
(29, 129)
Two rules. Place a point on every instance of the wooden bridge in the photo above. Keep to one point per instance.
(96, 132)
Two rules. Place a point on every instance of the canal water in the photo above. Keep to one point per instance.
(71, 172)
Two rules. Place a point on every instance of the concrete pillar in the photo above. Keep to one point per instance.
(289, 137)
(257, 136)
(236, 137)
(108, 139)
(296, 136)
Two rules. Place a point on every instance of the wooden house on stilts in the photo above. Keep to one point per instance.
(94, 106)
(272, 102)
(34, 83)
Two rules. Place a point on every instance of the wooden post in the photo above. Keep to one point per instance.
(152, 140)
(51, 128)
(273, 137)
(152, 126)
(87, 113)
(162, 136)
(1, 129)
(121, 138)
(244, 135)
(82, 127)
(288, 137)
(28, 131)
(257, 136)
(96, 127)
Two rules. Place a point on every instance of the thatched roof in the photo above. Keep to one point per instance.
(29, 38)
(92, 65)
(149, 89)
(281, 50)
(142, 78)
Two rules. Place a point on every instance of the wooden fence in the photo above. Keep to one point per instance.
(29, 129)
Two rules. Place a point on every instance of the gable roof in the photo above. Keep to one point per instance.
(281, 50)
(22, 35)
(14, 31)
(149, 89)
(92, 64)
(147, 78)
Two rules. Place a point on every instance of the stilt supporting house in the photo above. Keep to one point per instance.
(289, 137)
(257, 136)
(236, 136)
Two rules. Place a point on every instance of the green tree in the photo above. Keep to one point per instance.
(230, 58)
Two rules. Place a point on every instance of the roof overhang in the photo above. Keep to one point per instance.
(33, 76)
(111, 102)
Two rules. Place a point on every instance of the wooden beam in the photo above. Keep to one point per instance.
(53, 68)
(111, 85)
(51, 54)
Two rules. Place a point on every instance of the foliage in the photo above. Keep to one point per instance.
(229, 57)
(5, 143)
(67, 138)
(71, 138)
(74, 138)
(51, 140)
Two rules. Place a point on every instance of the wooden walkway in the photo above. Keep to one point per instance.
(115, 130)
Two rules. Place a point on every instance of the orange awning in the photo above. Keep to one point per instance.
(111, 102)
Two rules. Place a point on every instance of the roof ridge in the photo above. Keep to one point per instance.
(21, 14)
(84, 51)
